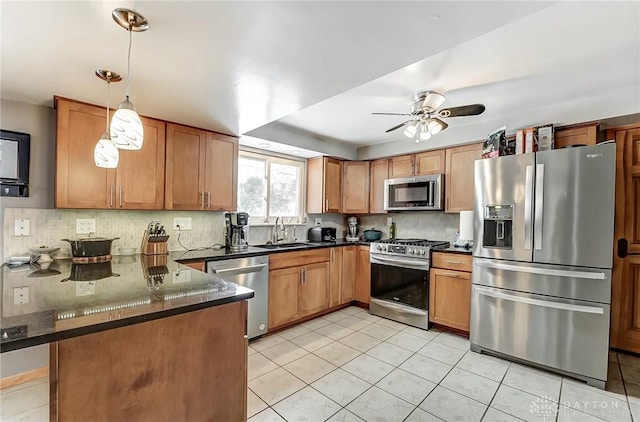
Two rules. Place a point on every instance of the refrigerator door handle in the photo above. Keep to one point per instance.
(538, 270)
(539, 207)
(537, 302)
(528, 197)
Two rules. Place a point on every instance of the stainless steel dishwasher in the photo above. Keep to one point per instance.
(252, 273)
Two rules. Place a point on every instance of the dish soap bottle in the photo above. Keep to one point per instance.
(392, 230)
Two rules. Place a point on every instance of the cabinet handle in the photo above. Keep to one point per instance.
(202, 198)
(412, 168)
(453, 262)
(417, 168)
(111, 196)
(121, 190)
(332, 254)
(326, 205)
(302, 276)
(452, 275)
(208, 199)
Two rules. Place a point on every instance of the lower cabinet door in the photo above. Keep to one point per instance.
(450, 298)
(349, 259)
(284, 287)
(335, 277)
(314, 289)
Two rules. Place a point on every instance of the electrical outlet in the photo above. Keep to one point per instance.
(85, 225)
(20, 295)
(184, 223)
(182, 276)
(389, 221)
(318, 221)
(22, 227)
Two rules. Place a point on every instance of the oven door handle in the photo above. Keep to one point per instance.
(400, 261)
(404, 309)
(537, 302)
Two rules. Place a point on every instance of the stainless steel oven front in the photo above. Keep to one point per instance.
(400, 288)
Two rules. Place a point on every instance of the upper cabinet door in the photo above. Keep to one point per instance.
(429, 162)
(140, 174)
(332, 185)
(578, 135)
(220, 172)
(401, 166)
(459, 177)
(379, 170)
(184, 175)
(355, 187)
(79, 183)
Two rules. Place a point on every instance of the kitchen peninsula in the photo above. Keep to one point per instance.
(135, 338)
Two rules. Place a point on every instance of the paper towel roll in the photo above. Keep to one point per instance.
(466, 225)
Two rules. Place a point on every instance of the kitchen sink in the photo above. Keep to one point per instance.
(282, 245)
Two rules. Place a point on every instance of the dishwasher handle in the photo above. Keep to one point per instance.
(240, 270)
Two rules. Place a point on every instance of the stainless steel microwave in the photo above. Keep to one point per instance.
(419, 193)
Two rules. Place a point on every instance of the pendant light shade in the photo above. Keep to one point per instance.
(126, 128)
(105, 153)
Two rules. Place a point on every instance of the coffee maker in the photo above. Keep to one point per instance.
(237, 231)
(352, 229)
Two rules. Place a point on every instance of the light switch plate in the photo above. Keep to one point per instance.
(22, 227)
(318, 221)
(182, 276)
(389, 221)
(20, 295)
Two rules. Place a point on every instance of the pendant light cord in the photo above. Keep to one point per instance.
(108, 100)
(129, 61)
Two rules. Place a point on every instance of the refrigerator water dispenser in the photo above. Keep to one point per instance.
(498, 226)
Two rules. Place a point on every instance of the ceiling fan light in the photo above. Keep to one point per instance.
(126, 127)
(424, 134)
(105, 154)
(411, 130)
(434, 126)
(432, 101)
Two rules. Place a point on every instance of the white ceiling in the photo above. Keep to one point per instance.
(309, 74)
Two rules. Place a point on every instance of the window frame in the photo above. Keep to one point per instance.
(301, 163)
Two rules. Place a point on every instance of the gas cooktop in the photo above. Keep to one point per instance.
(414, 248)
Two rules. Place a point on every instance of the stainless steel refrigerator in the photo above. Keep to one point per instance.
(543, 251)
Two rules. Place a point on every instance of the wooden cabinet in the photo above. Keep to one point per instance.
(335, 276)
(349, 263)
(355, 187)
(201, 171)
(296, 290)
(427, 162)
(362, 287)
(575, 135)
(450, 290)
(378, 172)
(324, 185)
(137, 182)
(459, 177)
(625, 300)
(196, 265)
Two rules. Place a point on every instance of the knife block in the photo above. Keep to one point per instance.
(153, 248)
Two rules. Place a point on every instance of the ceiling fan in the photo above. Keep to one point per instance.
(425, 120)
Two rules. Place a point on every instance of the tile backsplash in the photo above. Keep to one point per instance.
(49, 226)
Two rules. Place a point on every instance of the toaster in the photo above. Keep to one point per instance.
(322, 234)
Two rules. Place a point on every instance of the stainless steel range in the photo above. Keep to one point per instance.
(400, 279)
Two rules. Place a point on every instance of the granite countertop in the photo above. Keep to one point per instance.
(42, 306)
(220, 254)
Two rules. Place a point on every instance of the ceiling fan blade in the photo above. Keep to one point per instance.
(398, 126)
(393, 114)
(468, 110)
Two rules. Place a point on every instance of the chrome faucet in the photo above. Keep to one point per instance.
(275, 236)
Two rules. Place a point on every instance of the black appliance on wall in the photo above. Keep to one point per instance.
(14, 163)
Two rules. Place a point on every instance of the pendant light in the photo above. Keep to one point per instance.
(126, 128)
(105, 154)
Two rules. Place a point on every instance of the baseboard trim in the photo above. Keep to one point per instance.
(24, 377)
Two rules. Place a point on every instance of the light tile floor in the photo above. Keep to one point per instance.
(353, 366)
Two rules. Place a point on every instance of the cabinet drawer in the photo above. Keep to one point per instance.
(451, 261)
(292, 259)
